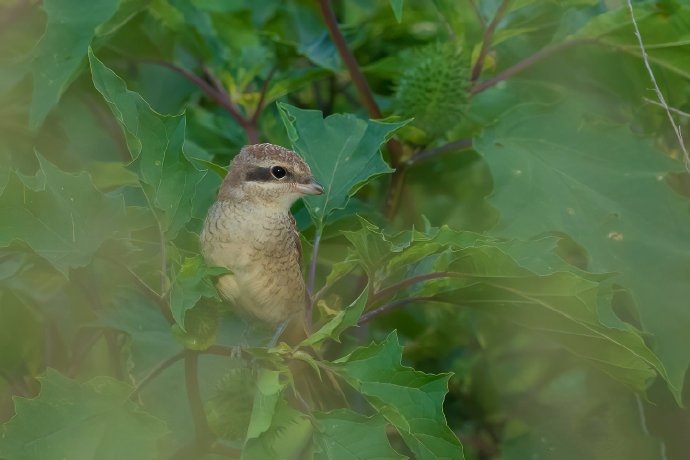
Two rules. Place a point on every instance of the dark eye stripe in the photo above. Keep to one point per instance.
(262, 175)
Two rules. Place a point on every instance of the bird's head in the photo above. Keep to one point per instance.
(269, 175)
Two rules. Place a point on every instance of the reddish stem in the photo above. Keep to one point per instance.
(390, 306)
(486, 42)
(527, 62)
(348, 58)
(397, 287)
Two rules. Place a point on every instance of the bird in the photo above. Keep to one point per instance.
(250, 231)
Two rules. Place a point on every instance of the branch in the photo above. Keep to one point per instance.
(397, 287)
(486, 42)
(659, 94)
(209, 90)
(349, 60)
(216, 92)
(527, 62)
(391, 306)
(191, 372)
(460, 144)
(155, 372)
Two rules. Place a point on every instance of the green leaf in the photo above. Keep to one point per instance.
(342, 151)
(410, 400)
(342, 321)
(666, 36)
(605, 187)
(155, 141)
(561, 305)
(346, 435)
(71, 27)
(60, 215)
(80, 422)
(268, 390)
(397, 6)
(275, 429)
(191, 283)
(138, 316)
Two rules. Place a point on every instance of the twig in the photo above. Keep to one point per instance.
(486, 41)
(209, 90)
(191, 372)
(217, 92)
(397, 287)
(672, 109)
(262, 96)
(527, 62)
(349, 60)
(155, 372)
(392, 305)
(460, 144)
(659, 94)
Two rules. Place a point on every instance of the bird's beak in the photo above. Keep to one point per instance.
(310, 188)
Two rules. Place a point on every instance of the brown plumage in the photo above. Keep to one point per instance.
(249, 230)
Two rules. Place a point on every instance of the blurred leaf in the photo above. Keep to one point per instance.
(342, 321)
(605, 187)
(342, 151)
(346, 435)
(410, 400)
(138, 316)
(21, 353)
(155, 141)
(71, 27)
(666, 36)
(110, 175)
(275, 429)
(60, 215)
(80, 421)
(397, 6)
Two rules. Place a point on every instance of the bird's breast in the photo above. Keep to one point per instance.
(262, 251)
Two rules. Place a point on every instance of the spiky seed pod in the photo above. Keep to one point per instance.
(229, 410)
(434, 88)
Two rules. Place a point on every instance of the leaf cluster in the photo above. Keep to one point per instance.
(498, 267)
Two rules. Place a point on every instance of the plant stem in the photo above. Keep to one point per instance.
(348, 58)
(217, 92)
(262, 97)
(155, 372)
(486, 42)
(397, 287)
(527, 62)
(191, 372)
(460, 144)
(392, 305)
(367, 97)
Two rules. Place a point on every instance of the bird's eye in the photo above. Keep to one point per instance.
(278, 172)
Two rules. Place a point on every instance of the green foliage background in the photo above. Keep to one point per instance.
(501, 258)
